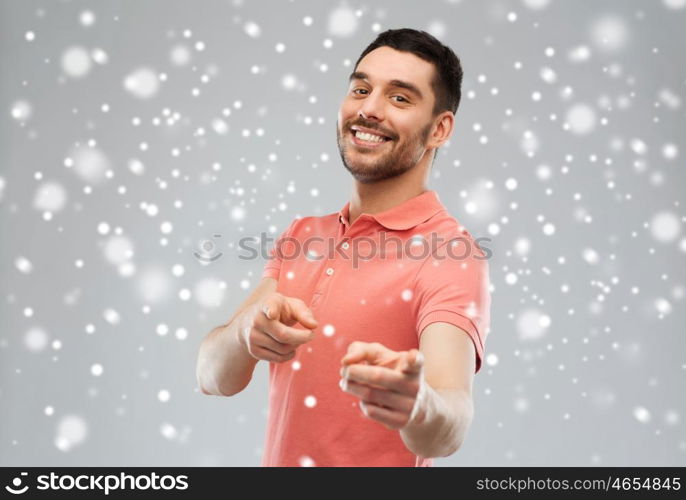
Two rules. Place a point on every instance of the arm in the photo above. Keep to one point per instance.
(224, 365)
(426, 394)
(444, 408)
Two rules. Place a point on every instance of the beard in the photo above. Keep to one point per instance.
(374, 165)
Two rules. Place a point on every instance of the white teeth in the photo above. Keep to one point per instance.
(368, 137)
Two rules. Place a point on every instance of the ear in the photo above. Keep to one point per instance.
(442, 129)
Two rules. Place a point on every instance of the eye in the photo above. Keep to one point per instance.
(401, 98)
(355, 90)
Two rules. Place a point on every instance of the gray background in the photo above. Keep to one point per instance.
(578, 103)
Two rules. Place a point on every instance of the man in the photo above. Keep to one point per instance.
(378, 370)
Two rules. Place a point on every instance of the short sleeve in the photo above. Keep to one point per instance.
(272, 267)
(452, 286)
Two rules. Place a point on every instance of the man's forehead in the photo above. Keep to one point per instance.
(369, 68)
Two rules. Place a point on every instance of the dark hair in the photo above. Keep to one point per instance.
(447, 80)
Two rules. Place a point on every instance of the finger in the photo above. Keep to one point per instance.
(264, 340)
(269, 355)
(380, 376)
(271, 307)
(282, 333)
(390, 399)
(364, 351)
(414, 361)
(390, 418)
(295, 310)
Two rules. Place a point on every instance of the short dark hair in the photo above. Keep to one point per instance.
(447, 81)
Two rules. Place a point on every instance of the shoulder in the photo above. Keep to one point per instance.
(304, 226)
(447, 234)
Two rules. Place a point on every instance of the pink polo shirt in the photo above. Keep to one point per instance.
(383, 279)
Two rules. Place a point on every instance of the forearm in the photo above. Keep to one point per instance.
(224, 364)
(440, 424)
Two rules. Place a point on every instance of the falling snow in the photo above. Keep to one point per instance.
(138, 154)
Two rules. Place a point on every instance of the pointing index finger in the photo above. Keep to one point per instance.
(414, 361)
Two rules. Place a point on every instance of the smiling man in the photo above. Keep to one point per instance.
(372, 353)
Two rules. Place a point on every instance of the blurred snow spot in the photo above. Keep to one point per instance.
(663, 306)
(118, 250)
(529, 143)
(142, 83)
(72, 430)
(111, 316)
(674, 4)
(36, 339)
(154, 285)
(670, 151)
(180, 55)
(22, 110)
(522, 246)
(665, 227)
(536, 4)
(638, 146)
(168, 431)
(50, 197)
(76, 62)
(532, 324)
(90, 163)
(491, 359)
(342, 22)
(642, 414)
(252, 29)
(669, 99)
(99, 56)
(581, 119)
(220, 126)
(580, 53)
(590, 256)
(437, 28)
(609, 33)
(136, 166)
(209, 292)
(521, 405)
(87, 18)
(23, 265)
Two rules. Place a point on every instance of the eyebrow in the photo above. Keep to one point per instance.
(360, 75)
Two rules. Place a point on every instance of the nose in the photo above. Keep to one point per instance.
(372, 107)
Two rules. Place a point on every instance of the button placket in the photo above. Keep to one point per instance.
(324, 282)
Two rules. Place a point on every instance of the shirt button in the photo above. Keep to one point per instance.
(329, 271)
(345, 245)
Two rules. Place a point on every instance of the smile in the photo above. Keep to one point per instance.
(366, 143)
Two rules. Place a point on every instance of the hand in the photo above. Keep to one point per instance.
(386, 382)
(267, 331)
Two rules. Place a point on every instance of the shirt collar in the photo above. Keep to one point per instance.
(407, 215)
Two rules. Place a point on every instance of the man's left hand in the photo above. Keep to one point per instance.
(386, 382)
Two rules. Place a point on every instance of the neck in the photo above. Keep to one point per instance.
(384, 195)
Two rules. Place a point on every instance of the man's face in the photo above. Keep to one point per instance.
(376, 104)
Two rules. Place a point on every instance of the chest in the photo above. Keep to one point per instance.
(353, 297)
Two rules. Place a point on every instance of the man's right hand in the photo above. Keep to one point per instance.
(267, 328)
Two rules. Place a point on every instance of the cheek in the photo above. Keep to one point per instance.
(345, 112)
